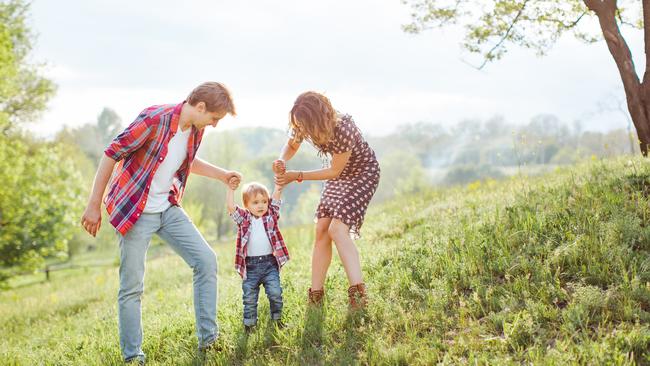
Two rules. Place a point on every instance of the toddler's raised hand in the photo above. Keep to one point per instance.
(233, 183)
(279, 167)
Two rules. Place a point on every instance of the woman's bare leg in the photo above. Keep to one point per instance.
(321, 255)
(340, 233)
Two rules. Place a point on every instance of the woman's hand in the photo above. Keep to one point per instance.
(279, 167)
(286, 178)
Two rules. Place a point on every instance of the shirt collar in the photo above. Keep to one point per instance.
(176, 116)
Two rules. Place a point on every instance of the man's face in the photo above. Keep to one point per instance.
(205, 118)
(258, 205)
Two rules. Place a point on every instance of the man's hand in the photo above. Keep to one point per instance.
(230, 175)
(279, 167)
(233, 183)
(92, 219)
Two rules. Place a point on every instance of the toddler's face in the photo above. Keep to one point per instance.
(258, 205)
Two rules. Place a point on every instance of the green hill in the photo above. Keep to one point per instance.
(547, 270)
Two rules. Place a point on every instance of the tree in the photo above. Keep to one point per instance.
(109, 124)
(92, 138)
(23, 92)
(493, 25)
(223, 149)
(39, 199)
(39, 203)
(401, 173)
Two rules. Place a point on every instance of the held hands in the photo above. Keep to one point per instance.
(286, 178)
(233, 183)
(232, 180)
(280, 170)
(279, 167)
(282, 176)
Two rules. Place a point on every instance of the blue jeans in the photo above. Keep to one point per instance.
(175, 227)
(262, 270)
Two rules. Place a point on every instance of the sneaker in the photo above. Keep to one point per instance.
(278, 323)
(215, 346)
(135, 361)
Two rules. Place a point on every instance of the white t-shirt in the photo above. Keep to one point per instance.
(158, 197)
(258, 241)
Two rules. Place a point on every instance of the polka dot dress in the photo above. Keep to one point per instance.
(347, 197)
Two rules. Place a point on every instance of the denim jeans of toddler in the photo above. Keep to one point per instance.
(262, 270)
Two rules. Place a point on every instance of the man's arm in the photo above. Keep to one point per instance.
(203, 168)
(92, 217)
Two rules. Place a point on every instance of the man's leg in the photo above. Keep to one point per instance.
(178, 230)
(133, 250)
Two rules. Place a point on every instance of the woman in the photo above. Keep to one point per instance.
(351, 180)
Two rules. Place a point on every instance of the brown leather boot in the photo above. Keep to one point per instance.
(315, 297)
(357, 296)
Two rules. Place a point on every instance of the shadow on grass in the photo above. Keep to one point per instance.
(312, 336)
(351, 338)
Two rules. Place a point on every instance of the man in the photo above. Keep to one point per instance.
(154, 156)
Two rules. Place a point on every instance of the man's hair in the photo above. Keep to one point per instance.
(215, 95)
(251, 190)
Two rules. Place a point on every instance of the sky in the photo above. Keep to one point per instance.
(127, 55)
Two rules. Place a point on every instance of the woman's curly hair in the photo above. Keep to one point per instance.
(313, 118)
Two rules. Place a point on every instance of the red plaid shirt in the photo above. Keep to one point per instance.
(140, 149)
(270, 220)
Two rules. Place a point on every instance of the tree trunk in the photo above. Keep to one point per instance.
(635, 91)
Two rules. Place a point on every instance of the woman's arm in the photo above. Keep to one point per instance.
(288, 151)
(339, 161)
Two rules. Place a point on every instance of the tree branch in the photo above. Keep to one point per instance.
(505, 36)
(569, 25)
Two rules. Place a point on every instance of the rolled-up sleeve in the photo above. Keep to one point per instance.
(239, 215)
(132, 138)
(274, 207)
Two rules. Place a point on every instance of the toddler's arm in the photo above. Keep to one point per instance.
(230, 195)
(277, 192)
(276, 201)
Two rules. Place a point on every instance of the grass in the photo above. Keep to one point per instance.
(547, 270)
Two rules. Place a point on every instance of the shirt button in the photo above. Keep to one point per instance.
(137, 214)
(161, 158)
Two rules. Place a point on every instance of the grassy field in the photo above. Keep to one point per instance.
(548, 270)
